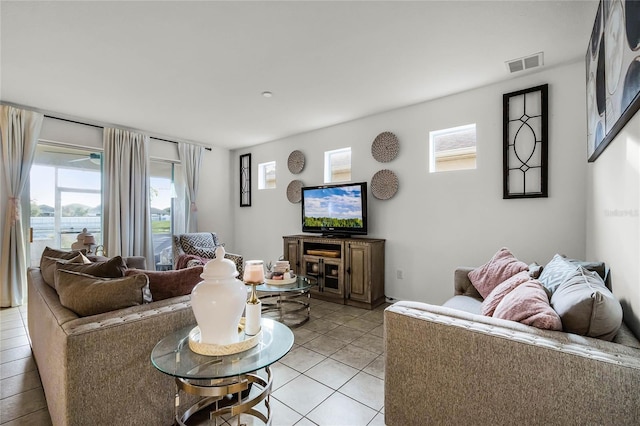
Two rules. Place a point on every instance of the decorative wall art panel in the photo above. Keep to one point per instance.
(613, 72)
(245, 180)
(525, 149)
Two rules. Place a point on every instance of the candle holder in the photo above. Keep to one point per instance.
(253, 276)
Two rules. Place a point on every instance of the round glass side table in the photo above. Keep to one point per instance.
(287, 303)
(214, 378)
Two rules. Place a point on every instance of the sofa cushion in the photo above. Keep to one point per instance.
(49, 264)
(112, 268)
(586, 306)
(166, 284)
(502, 266)
(464, 303)
(497, 294)
(528, 304)
(88, 295)
(556, 272)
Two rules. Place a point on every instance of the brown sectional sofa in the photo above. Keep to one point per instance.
(96, 370)
(450, 365)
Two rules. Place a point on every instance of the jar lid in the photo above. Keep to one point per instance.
(219, 268)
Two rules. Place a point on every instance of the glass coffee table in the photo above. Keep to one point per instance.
(287, 303)
(223, 381)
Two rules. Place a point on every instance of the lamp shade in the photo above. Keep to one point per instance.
(89, 240)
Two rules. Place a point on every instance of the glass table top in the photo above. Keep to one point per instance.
(172, 355)
(302, 283)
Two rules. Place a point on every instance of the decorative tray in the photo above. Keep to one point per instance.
(211, 349)
(281, 282)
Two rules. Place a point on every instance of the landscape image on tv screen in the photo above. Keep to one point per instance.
(339, 207)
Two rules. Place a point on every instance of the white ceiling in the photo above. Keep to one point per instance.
(196, 70)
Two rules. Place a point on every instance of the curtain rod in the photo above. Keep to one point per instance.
(102, 127)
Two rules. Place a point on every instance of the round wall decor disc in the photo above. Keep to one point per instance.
(294, 191)
(385, 147)
(295, 162)
(384, 184)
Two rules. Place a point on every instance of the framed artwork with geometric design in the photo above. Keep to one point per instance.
(525, 143)
(245, 180)
(612, 72)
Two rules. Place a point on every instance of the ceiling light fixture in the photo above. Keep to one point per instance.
(267, 94)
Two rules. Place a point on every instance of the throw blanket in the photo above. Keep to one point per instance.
(183, 260)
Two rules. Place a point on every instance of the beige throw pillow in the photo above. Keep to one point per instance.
(112, 268)
(87, 295)
(48, 265)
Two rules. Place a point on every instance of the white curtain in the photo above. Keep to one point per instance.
(127, 209)
(19, 132)
(191, 159)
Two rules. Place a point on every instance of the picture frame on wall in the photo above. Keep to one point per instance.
(612, 72)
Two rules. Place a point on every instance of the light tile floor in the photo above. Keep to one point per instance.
(333, 375)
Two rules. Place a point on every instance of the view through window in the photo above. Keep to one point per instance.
(162, 198)
(66, 196)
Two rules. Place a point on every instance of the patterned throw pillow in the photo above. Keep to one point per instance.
(201, 244)
(556, 272)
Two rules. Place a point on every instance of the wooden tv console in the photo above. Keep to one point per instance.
(348, 270)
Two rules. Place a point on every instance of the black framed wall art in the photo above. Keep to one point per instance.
(612, 72)
(525, 143)
(245, 180)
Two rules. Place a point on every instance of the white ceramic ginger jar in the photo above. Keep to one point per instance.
(218, 301)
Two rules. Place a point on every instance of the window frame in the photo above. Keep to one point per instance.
(456, 152)
(329, 172)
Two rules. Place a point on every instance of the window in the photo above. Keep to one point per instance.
(267, 175)
(337, 165)
(452, 149)
(162, 196)
(66, 196)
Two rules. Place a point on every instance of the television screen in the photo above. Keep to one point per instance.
(335, 209)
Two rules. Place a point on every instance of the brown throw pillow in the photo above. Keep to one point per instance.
(49, 264)
(87, 295)
(167, 284)
(112, 268)
(528, 304)
(502, 266)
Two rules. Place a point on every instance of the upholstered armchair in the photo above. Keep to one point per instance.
(197, 248)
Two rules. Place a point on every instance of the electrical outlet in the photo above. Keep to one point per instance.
(399, 274)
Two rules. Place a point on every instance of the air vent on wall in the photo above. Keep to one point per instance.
(525, 63)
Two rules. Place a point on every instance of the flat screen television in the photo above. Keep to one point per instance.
(335, 210)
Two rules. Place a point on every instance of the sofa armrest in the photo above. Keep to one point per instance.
(462, 284)
(460, 368)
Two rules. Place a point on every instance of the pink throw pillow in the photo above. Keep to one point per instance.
(502, 266)
(497, 294)
(529, 304)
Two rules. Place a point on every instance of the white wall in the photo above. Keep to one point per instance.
(613, 219)
(438, 221)
(214, 197)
